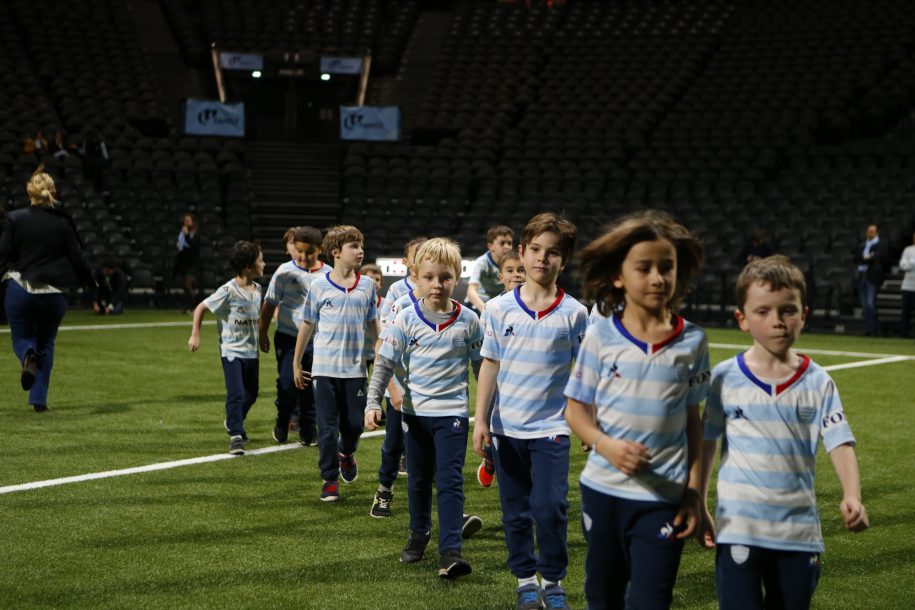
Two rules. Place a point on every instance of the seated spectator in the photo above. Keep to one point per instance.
(111, 294)
(35, 144)
(758, 247)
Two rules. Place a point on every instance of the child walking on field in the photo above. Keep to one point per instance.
(770, 405)
(634, 397)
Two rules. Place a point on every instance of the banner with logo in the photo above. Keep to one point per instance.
(212, 118)
(373, 123)
(341, 65)
(241, 61)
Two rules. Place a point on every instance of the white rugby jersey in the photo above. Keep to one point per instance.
(339, 315)
(396, 290)
(237, 312)
(434, 359)
(535, 350)
(768, 453)
(485, 272)
(641, 393)
(287, 291)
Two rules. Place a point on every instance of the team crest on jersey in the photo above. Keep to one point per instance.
(806, 413)
(510, 331)
(740, 553)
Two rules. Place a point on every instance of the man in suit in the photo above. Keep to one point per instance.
(869, 257)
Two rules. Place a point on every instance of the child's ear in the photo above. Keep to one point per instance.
(741, 320)
(804, 314)
(520, 249)
(618, 282)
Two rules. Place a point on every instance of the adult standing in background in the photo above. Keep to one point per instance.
(186, 260)
(42, 259)
(869, 257)
(907, 266)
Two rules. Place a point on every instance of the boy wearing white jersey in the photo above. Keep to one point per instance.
(236, 304)
(339, 306)
(771, 405)
(532, 336)
(484, 283)
(286, 295)
(433, 341)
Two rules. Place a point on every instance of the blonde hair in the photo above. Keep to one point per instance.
(339, 235)
(440, 250)
(41, 188)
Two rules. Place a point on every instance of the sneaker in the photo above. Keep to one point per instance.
(402, 469)
(330, 492)
(554, 598)
(349, 469)
(40, 408)
(452, 565)
(308, 435)
(486, 473)
(244, 435)
(280, 432)
(381, 506)
(29, 370)
(415, 548)
(527, 598)
(472, 525)
(237, 445)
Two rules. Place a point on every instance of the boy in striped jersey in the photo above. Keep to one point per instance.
(483, 284)
(433, 341)
(337, 308)
(404, 285)
(532, 336)
(771, 405)
(286, 295)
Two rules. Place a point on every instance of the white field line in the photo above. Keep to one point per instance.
(820, 352)
(286, 447)
(6, 331)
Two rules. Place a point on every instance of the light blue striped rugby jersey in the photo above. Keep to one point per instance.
(368, 350)
(434, 359)
(395, 291)
(237, 311)
(535, 350)
(339, 315)
(641, 393)
(485, 272)
(287, 290)
(407, 300)
(771, 432)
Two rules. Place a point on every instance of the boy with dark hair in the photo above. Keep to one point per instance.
(236, 304)
(484, 274)
(286, 295)
(339, 306)
(771, 405)
(532, 336)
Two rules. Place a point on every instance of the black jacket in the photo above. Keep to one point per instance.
(41, 244)
(874, 271)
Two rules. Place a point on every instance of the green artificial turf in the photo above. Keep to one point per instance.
(251, 532)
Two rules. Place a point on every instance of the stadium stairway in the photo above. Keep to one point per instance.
(292, 183)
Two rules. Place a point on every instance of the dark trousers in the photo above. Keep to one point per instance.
(393, 446)
(742, 572)
(340, 407)
(290, 400)
(867, 294)
(34, 320)
(533, 490)
(242, 383)
(436, 447)
(908, 301)
(629, 543)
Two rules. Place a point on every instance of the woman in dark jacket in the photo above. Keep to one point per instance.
(186, 260)
(41, 259)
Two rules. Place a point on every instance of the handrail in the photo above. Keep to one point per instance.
(217, 71)
(364, 79)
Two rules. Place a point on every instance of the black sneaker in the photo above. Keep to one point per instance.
(29, 370)
(308, 435)
(40, 408)
(280, 432)
(415, 549)
(452, 565)
(402, 469)
(349, 469)
(381, 506)
(237, 445)
(330, 492)
(527, 598)
(472, 525)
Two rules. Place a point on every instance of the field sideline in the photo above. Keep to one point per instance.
(251, 532)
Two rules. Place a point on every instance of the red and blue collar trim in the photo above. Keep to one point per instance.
(653, 348)
(767, 387)
(341, 288)
(539, 315)
(316, 269)
(438, 327)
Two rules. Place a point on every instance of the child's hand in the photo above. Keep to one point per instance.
(194, 342)
(264, 341)
(688, 519)
(302, 378)
(706, 533)
(628, 457)
(372, 419)
(854, 514)
(481, 438)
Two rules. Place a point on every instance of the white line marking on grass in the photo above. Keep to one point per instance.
(6, 331)
(286, 447)
(821, 352)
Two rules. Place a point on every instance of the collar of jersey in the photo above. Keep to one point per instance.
(491, 260)
(766, 387)
(438, 327)
(316, 269)
(341, 288)
(406, 281)
(653, 348)
(412, 296)
(539, 315)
